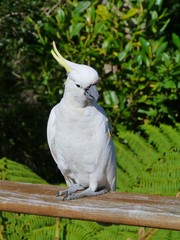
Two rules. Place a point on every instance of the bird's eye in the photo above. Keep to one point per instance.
(77, 85)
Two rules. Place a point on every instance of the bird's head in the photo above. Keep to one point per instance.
(81, 80)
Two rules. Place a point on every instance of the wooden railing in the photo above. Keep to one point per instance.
(117, 208)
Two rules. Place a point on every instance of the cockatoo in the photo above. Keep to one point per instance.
(78, 134)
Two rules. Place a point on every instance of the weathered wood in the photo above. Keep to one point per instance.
(117, 208)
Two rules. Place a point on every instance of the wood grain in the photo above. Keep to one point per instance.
(115, 207)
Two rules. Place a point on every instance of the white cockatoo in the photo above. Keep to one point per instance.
(78, 134)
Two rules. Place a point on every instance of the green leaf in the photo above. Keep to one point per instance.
(60, 15)
(161, 48)
(151, 112)
(130, 13)
(169, 85)
(176, 40)
(99, 27)
(107, 43)
(151, 3)
(103, 12)
(145, 45)
(166, 58)
(145, 59)
(176, 73)
(177, 57)
(91, 13)
(154, 15)
(75, 29)
(50, 28)
(81, 7)
(121, 55)
(165, 25)
(138, 59)
(159, 2)
(110, 98)
(128, 47)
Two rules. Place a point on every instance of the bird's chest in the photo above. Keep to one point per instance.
(74, 138)
(79, 125)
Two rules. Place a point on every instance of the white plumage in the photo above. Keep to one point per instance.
(78, 134)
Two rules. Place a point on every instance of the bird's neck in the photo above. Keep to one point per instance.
(74, 101)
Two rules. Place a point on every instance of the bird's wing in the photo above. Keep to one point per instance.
(51, 129)
(104, 147)
(111, 170)
(52, 142)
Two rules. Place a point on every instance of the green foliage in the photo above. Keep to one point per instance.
(12, 171)
(134, 45)
(157, 159)
(148, 162)
(21, 226)
(27, 227)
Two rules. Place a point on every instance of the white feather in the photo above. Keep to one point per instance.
(78, 134)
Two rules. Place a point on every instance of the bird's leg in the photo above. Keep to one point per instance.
(86, 193)
(69, 191)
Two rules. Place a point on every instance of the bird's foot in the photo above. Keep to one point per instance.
(86, 193)
(70, 191)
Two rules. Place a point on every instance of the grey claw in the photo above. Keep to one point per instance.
(65, 196)
(60, 193)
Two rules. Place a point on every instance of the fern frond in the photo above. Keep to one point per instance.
(126, 158)
(139, 146)
(76, 232)
(165, 235)
(173, 135)
(163, 178)
(128, 168)
(106, 235)
(157, 138)
(123, 183)
(45, 232)
(13, 171)
(154, 173)
(175, 235)
(178, 127)
(88, 226)
(35, 222)
(117, 232)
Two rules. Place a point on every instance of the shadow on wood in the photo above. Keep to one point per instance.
(118, 208)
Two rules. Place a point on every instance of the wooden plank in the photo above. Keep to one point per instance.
(118, 208)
